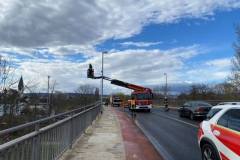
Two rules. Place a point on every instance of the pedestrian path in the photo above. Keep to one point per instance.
(113, 136)
(103, 141)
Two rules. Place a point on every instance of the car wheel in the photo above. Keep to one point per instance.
(209, 153)
(181, 114)
(192, 116)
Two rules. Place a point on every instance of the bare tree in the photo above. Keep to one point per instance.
(86, 89)
(7, 78)
(235, 76)
(87, 94)
(200, 91)
(52, 90)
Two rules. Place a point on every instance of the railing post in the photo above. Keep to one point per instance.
(71, 132)
(36, 144)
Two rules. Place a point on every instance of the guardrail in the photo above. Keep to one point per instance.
(180, 102)
(51, 141)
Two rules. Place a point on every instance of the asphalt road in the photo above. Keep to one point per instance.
(174, 137)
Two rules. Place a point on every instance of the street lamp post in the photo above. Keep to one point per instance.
(49, 107)
(166, 84)
(102, 78)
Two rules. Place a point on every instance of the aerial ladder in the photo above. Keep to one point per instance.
(141, 97)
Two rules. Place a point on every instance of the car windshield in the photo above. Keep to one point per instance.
(212, 113)
(202, 104)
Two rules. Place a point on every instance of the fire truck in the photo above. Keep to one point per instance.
(115, 101)
(141, 97)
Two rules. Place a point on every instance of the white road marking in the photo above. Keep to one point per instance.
(192, 125)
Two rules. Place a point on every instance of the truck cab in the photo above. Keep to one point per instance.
(141, 100)
(116, 101)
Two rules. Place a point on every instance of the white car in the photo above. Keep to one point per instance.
(228, 103)
(219, 135)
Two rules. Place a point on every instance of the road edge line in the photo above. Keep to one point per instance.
(175, 119)
(157, 146)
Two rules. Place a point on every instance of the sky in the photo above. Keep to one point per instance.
(190, 40)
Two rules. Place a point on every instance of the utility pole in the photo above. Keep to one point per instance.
(48, 100)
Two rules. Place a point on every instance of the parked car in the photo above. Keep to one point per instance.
(228, 103)
(193, 109)
(219, 134)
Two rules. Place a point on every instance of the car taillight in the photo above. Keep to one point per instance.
(199, 109)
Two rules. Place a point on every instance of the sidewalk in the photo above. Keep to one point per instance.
(114, 136)
(102, 142)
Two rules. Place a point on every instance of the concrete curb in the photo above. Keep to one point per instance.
(160, 149)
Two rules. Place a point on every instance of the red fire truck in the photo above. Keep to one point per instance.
(141, 97)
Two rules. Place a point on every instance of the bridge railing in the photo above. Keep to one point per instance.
(51, 141)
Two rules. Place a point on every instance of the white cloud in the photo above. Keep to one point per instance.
(82, 24)
(67, 74)
(139, 66)
(68, 27)
(220, 63)
(140, 44)
(144, 67)
(205, 75)
(211, 71)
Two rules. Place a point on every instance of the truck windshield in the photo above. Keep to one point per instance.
(117, 100)
(142, 96)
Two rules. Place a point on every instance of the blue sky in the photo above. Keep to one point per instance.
(191, 40)
(216, 33)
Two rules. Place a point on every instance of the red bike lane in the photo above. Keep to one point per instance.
(137, 146)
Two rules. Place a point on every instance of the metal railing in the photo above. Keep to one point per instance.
(51, 141)
(180, 102)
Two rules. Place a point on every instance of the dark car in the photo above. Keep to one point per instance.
(194, 109)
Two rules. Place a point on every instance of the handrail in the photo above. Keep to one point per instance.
(52, 140)
(34, 133)
(22, 126)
